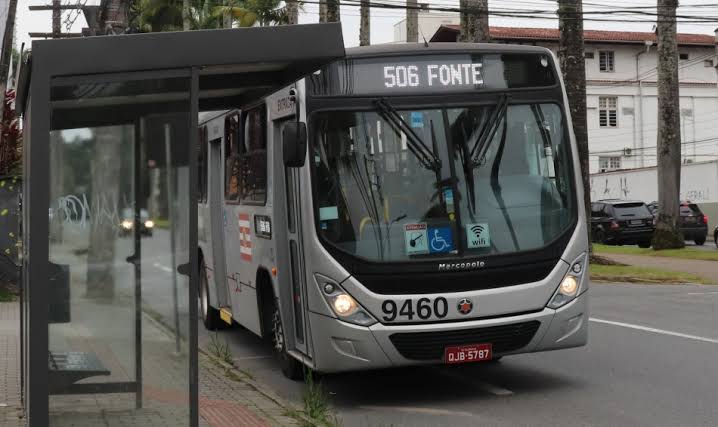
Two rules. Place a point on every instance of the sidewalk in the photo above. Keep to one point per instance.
(226, 399)
(10, 409)
(705, 269)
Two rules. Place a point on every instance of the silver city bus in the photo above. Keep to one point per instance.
(404, 205)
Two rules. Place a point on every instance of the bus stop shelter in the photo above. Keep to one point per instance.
(109, 313)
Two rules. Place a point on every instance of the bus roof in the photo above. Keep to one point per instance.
(438, 48)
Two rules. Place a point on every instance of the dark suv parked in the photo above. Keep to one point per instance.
(694, 224)
(621, 222)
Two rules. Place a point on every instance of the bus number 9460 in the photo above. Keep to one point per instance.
(424, 309)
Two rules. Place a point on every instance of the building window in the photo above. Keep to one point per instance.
(609, 163)
(606, 61)
(202, 165)
(608, 111)
(683, 56)
(708, 63)
(253, 182)
(588, 55)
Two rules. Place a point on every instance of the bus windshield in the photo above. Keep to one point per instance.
(501, 181)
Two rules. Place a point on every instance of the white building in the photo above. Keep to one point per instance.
(621, 72)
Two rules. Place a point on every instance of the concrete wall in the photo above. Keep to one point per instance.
(699, 184)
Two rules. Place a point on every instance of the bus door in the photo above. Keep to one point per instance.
(216, 197)
(296, 255)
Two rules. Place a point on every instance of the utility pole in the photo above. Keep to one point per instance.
(56, 7)
(7, 53)
(474, 21)
(668, 234)
(573, 66)
(412, 21)
(364, 24)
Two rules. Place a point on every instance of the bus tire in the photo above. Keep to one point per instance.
(291, 367)
(209, 314)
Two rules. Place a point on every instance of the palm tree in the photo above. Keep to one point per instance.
(364, 26)
(474, 21)
(249, 12)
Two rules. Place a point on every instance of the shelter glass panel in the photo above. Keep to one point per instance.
(119, 230)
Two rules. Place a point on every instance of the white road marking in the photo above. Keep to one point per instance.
(702, 293)
(253, 357)
(654, 330)
(162, 267)
(483, 385)
(419, 410)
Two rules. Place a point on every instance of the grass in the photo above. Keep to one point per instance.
(162, 223)
(220, 349)
(685, 253)
(632, 274)
(6, 295)
(316, 403)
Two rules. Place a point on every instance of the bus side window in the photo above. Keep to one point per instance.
(231, 158)
(202, 165)
(253, 179)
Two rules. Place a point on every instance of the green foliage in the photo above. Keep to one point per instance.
(316, 403)
(220, 349)
(166, 15)
(10, 138)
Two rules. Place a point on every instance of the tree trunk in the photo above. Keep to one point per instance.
(364, 24)
(412, 21)
(668, 233)
(56, 19)
(185, 15)
(6, 53)
(474, 21)
(104, 175)
(573, 67)
(322, 10)
(292, 12)
(333, 11)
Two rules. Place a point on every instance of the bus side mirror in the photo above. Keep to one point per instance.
(294, 144)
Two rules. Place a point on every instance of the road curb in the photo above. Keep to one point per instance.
(295, 410)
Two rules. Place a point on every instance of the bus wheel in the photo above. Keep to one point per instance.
(291, 367)
(210, 315)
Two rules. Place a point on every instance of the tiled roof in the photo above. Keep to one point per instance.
(446, 32)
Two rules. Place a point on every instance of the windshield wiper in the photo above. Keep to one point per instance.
(416, 145)
(487, 132)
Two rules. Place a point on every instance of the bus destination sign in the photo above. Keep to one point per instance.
(432, 74)
(417, 75)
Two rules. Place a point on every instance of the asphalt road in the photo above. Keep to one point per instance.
(652, 360)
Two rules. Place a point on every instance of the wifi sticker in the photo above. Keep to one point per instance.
(477, 235)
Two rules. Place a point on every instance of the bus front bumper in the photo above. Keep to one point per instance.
(340, 346)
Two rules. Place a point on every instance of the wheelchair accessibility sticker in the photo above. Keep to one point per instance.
(440, 240)
(415, 239)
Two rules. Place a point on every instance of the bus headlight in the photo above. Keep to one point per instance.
(127, 224)
(569, 287)
(149, 223)
(342, 304)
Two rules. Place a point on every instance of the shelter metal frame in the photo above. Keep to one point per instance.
(226, 68)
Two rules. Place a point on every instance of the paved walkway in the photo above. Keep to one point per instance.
(226, 397)
(705, 269)
(10, 408)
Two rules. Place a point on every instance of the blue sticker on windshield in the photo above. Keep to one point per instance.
(440, 240)
(417, 119)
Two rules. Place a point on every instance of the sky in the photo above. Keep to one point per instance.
(383, 20)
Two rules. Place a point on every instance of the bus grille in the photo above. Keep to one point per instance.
(430, 345)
